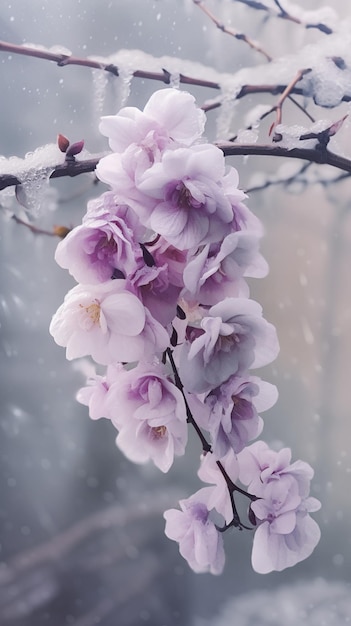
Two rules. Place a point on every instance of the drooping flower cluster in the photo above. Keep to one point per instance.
(161, 261)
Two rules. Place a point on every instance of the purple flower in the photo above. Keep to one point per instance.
(233, 418)
(286, 534)
(149, 412)
(189, 206)
(164, 253)
(200, 543)
(243, 219)
(139, 139)
(107, 322)
(260, 465)
(232, 338)
(95, 393)
(98, 248)
(169, 117)
(153, 286)
(217, 271)
(106, 207)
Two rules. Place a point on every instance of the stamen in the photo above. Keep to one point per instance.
(92, 314)
(159, 431)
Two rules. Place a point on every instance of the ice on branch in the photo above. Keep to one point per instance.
(33, 173)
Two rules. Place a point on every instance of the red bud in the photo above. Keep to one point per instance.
(75, 148)
(62, 142)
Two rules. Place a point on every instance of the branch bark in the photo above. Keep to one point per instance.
(314, 155)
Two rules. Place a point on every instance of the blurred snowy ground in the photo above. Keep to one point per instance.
(313, 602)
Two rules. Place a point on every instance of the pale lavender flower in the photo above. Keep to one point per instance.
(152, 284)
(107, 322)
(94, 394)
(149, 412)
(170, 117)
(99, 249)
(259, 464)
(164, 253)
(243, 218)
(232, 338)
(200, 543)
(234, 407)
(138, 139)
(218, 270)
(189, 206)
(286, 534)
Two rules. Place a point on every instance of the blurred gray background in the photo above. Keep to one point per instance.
(81, 528)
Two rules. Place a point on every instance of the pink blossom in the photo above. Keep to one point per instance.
(107, 206)
(260, 465)
(233, 418)
(170, 117)
(158, 294)
(139, 139)
(107, 322)
(286, 534)
(149, 412)
(274, 551)
(200, 543)
(95, 393)
(164, 253)
(233, 337)
(217, 271)
(243, 218)
(99, 248)
(189, 207)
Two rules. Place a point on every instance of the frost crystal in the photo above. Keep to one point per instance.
(33, 172)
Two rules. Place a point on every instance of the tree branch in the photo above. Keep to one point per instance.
(62, 60)
(314, 155)
(323, 157)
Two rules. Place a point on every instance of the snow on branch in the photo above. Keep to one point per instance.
(314, 155)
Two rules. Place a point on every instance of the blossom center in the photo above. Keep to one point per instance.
(159, 431)
(181, 196)
(225, 342)
(91, 315)
(106, 247)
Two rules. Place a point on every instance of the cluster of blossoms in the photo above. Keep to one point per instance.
(161, 261)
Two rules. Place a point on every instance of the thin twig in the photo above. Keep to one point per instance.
(231, 31)
(57, 231)
(232, 487)
(283, 14)
(274, 182)
(286, 93)
(251, 43)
